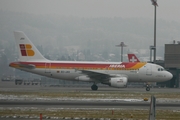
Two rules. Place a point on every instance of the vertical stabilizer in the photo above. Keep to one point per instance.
(27, 51)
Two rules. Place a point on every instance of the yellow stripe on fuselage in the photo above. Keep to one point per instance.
(138, 65)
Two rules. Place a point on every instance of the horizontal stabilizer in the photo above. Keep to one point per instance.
(29, 66)
(21, 65)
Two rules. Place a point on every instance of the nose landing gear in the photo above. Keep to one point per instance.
(147, 87)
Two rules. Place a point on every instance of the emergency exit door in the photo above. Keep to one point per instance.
(47, 67)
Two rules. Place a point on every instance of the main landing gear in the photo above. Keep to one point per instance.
(94, 87)
(147, 87)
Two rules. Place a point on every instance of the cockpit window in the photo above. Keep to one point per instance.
(160, 69)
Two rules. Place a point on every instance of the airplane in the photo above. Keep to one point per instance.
(114, 74)
(133, 58)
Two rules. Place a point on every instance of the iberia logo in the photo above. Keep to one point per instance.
(26, 50)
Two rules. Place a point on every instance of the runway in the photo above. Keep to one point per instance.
(80, 104)
(10, 86)
(26, 102)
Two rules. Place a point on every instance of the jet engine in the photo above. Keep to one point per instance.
(118, 82)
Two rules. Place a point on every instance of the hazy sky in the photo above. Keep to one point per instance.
(167, 10)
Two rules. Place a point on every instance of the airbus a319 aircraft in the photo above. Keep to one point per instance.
(114, 74)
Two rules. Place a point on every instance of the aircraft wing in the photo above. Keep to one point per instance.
(102, 77)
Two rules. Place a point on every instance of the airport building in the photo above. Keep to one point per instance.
(172, 63)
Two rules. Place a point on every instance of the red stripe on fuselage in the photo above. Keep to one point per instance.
(79, 65)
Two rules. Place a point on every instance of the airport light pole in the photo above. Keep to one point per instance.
(151, 48)
(121, 45)
(154, 2)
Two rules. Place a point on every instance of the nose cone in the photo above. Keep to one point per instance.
(169, 76)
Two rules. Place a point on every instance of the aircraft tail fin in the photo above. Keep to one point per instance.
(27, 51)
(133, 58)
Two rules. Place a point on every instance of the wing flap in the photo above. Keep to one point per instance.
(99, 76)
(95, 75)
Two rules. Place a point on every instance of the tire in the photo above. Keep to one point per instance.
(147, 88)
(94, 87)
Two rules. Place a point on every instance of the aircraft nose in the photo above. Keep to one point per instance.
(169, 76)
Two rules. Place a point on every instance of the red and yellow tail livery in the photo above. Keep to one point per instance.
(26, 50)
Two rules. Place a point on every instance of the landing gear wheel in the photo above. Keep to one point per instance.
(94, 87)
(147, 88)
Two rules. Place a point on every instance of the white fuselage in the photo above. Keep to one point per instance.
(147, 73)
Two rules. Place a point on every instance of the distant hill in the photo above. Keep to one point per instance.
(96, 35)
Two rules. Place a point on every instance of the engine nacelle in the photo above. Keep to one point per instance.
(118, 82)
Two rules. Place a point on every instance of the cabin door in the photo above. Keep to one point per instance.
(47, 67)
(149, 70)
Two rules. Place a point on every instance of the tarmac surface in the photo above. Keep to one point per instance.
(10, 86)
(76, 104)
